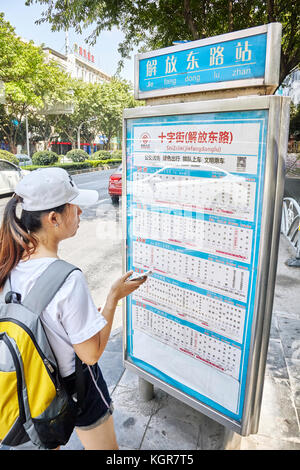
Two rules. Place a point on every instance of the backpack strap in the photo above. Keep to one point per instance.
(46, 286)
(7, 295)
(41, 294)
(6, 288)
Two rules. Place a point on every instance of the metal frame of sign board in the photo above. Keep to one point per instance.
(276, 147)
(272, 64)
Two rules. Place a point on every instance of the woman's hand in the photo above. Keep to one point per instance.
(122, 287)
(90, 350)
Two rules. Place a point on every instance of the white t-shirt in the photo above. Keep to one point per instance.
(70, 318)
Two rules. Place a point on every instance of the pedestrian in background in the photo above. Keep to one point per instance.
(28, 245)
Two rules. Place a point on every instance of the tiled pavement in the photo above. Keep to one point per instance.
(165, 423)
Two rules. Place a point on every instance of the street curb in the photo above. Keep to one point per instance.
(89, 170)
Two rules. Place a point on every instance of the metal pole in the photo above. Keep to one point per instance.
(27, 136)
(78, 134)
(146, 389)
(78, 137)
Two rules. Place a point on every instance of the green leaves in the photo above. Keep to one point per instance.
(105, 102)
(30, 82)
(154, 24)
(28, 78)
(11, 67)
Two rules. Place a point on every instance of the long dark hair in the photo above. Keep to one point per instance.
(17, 235)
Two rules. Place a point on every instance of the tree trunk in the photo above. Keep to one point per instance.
(11, 143)
(189, 21)
(230, 16)
(270, 11)
(72, 140)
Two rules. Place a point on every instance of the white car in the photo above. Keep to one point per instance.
(10, 175)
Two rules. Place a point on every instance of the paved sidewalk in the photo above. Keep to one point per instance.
(164, 423)
(167, 424)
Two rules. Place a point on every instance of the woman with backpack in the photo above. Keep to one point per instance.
(73, 325)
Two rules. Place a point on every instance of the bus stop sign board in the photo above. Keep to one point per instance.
(202, 210)
(244, 58)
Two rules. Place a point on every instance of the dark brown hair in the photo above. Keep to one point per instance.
(17, 239)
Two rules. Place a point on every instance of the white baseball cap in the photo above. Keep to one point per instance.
(47, 188)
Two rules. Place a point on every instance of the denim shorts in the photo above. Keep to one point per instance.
(97, 405)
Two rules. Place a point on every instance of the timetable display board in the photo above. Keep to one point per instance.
(195, 184)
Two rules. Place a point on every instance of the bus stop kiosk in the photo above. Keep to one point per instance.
(203, 180)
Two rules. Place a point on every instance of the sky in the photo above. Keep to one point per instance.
(105, 51)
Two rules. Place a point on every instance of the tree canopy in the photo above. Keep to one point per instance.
(104, 103)
(28, 78)
(30, 82)
(153, 24)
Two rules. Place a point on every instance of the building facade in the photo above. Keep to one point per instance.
(79, 63)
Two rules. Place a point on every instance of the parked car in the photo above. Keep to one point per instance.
(115, 185)
(24, 159)
(10, 175)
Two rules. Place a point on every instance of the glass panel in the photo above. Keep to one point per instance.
(5, 166)
(194, 201)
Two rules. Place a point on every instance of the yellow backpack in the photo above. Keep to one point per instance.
(34, 405)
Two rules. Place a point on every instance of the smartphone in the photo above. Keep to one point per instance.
(137, 276)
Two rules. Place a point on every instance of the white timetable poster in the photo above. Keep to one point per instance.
(194, 187)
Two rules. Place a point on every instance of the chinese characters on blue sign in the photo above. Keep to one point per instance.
(237, 59)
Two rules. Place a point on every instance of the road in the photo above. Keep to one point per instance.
(97, 246)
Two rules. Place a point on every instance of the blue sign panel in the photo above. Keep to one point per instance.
(247, 58)
(193, 215)
(226, 61)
